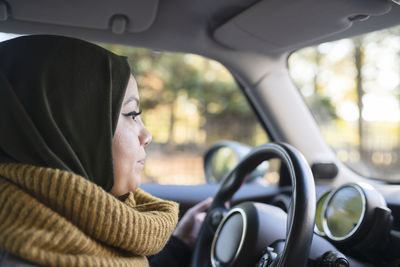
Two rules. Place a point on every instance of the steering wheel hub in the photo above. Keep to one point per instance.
(246, 231)
(228, 242)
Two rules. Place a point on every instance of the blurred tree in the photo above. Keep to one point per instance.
(358, 61)
(163, 76)
(360, 79)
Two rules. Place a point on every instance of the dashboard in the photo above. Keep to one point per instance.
(357, 225)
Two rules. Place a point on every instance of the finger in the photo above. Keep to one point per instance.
(200, 217)
(227, 204)
(203, 205)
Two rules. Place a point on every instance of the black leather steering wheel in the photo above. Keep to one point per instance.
(301, 216)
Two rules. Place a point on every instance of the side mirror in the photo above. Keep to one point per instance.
(220, 158)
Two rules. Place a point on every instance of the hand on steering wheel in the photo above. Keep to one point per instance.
(189, 226)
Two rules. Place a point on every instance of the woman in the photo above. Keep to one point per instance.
(71, 151)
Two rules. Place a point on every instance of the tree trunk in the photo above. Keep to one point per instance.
(360, 94)
(171, 140)
(317, 62)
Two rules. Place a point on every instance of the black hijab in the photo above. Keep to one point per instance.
(60, 100)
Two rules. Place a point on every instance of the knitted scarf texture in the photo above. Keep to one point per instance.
(57, 218)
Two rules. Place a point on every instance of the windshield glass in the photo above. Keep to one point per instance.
(352, 88)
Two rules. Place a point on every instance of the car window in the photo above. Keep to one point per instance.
(189, 103)
(352, 87)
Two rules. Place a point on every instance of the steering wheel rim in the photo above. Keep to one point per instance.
(300, 218)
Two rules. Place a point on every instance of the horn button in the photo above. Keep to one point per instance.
(245, 232)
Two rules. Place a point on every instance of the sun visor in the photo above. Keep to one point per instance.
(121, 16)
(282, 25)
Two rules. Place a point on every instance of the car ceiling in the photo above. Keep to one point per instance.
(269, 27)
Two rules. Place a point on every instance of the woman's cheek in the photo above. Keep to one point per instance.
(128, 147)
(126, 153)
(130, 140)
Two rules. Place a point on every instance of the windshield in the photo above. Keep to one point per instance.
(352, 88)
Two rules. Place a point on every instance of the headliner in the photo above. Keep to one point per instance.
(269, 27)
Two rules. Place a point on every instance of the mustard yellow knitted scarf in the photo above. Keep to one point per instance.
(56, 218)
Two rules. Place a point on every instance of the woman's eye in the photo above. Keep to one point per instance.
(132, 114)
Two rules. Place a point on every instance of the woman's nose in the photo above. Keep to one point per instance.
(145, 137)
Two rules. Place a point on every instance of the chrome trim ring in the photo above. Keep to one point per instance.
(323, 198)
(357, 226)
(214, 261)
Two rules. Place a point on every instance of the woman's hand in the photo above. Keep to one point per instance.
(189, 226)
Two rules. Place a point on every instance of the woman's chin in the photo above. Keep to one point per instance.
(135, 182)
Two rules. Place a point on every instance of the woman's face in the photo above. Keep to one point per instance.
(130, 138)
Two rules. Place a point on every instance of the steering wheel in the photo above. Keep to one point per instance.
(297, 234)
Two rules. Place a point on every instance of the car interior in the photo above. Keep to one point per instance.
(321, 211)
